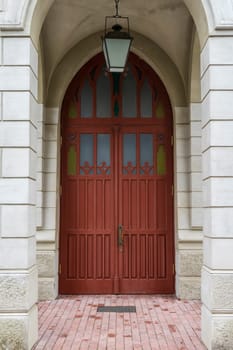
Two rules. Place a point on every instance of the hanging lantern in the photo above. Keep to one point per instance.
(116, 42)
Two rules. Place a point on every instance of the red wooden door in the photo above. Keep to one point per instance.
(116, 203)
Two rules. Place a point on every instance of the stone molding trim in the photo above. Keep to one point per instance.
(13, 14)
(2, 5)
(18, 15)
(223, 15)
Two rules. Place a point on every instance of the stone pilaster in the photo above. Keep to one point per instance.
(217, 148)
(47, 235)
(188, 242)
(195, 167)
(18, 139)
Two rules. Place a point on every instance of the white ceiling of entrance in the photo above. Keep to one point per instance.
(166, 22)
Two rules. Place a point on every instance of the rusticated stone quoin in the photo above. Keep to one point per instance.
(12, 334)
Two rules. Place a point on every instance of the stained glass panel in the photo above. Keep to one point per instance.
(103, 98)
(160, 111)
(161, 160)
(72, 160)
(72, 113)
(129, 96)
(86, 100)
(146, 100)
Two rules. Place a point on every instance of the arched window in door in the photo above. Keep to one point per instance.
(132, 95)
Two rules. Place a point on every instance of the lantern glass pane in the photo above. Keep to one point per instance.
(116, 53)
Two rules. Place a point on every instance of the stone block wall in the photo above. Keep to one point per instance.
(217, 148)
(18, 147)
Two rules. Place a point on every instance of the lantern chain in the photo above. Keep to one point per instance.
(117, 8)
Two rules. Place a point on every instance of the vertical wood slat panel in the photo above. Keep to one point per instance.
(99, 256)
(82, 256)
(152, 204)
(108, 204)
(142, 249)
(94, 256)
(90, 204)
(142, 203)
(143, 256)
(107, 256)
(161, 256)
(81, 204)
(99, 204)
(72, 256)
(126, 273)
(71, 209)
(133, 256)
(161, 205)
(151, 256)
(133, 204)
(90, 256)
(125, 203)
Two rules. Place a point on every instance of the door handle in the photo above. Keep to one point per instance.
(120, 235)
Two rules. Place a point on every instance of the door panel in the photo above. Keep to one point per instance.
(143, 212)
(116, 172)
(88, 215)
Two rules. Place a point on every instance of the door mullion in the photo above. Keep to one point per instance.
(117, 214)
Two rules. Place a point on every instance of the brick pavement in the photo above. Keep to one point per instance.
(160, 323)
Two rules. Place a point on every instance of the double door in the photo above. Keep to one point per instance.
(116, 210)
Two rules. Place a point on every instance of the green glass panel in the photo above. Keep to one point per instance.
(160, 111)
(72, 111)
(161, 160)
(116, 109)
(72, 161)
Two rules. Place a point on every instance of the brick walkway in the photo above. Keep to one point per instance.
(160, 322)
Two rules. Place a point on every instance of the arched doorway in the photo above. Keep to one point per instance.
(116, 231)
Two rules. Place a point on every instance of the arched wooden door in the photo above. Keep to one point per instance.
(117, 173)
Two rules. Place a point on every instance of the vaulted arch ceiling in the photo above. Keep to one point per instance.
(166, 23)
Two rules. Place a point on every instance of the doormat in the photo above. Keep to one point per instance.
(116, 309)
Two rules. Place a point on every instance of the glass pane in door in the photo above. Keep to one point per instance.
(129, 154)
(103, 154)
(146, 154)
(86, 154)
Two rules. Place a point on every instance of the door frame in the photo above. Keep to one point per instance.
(87, 126)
